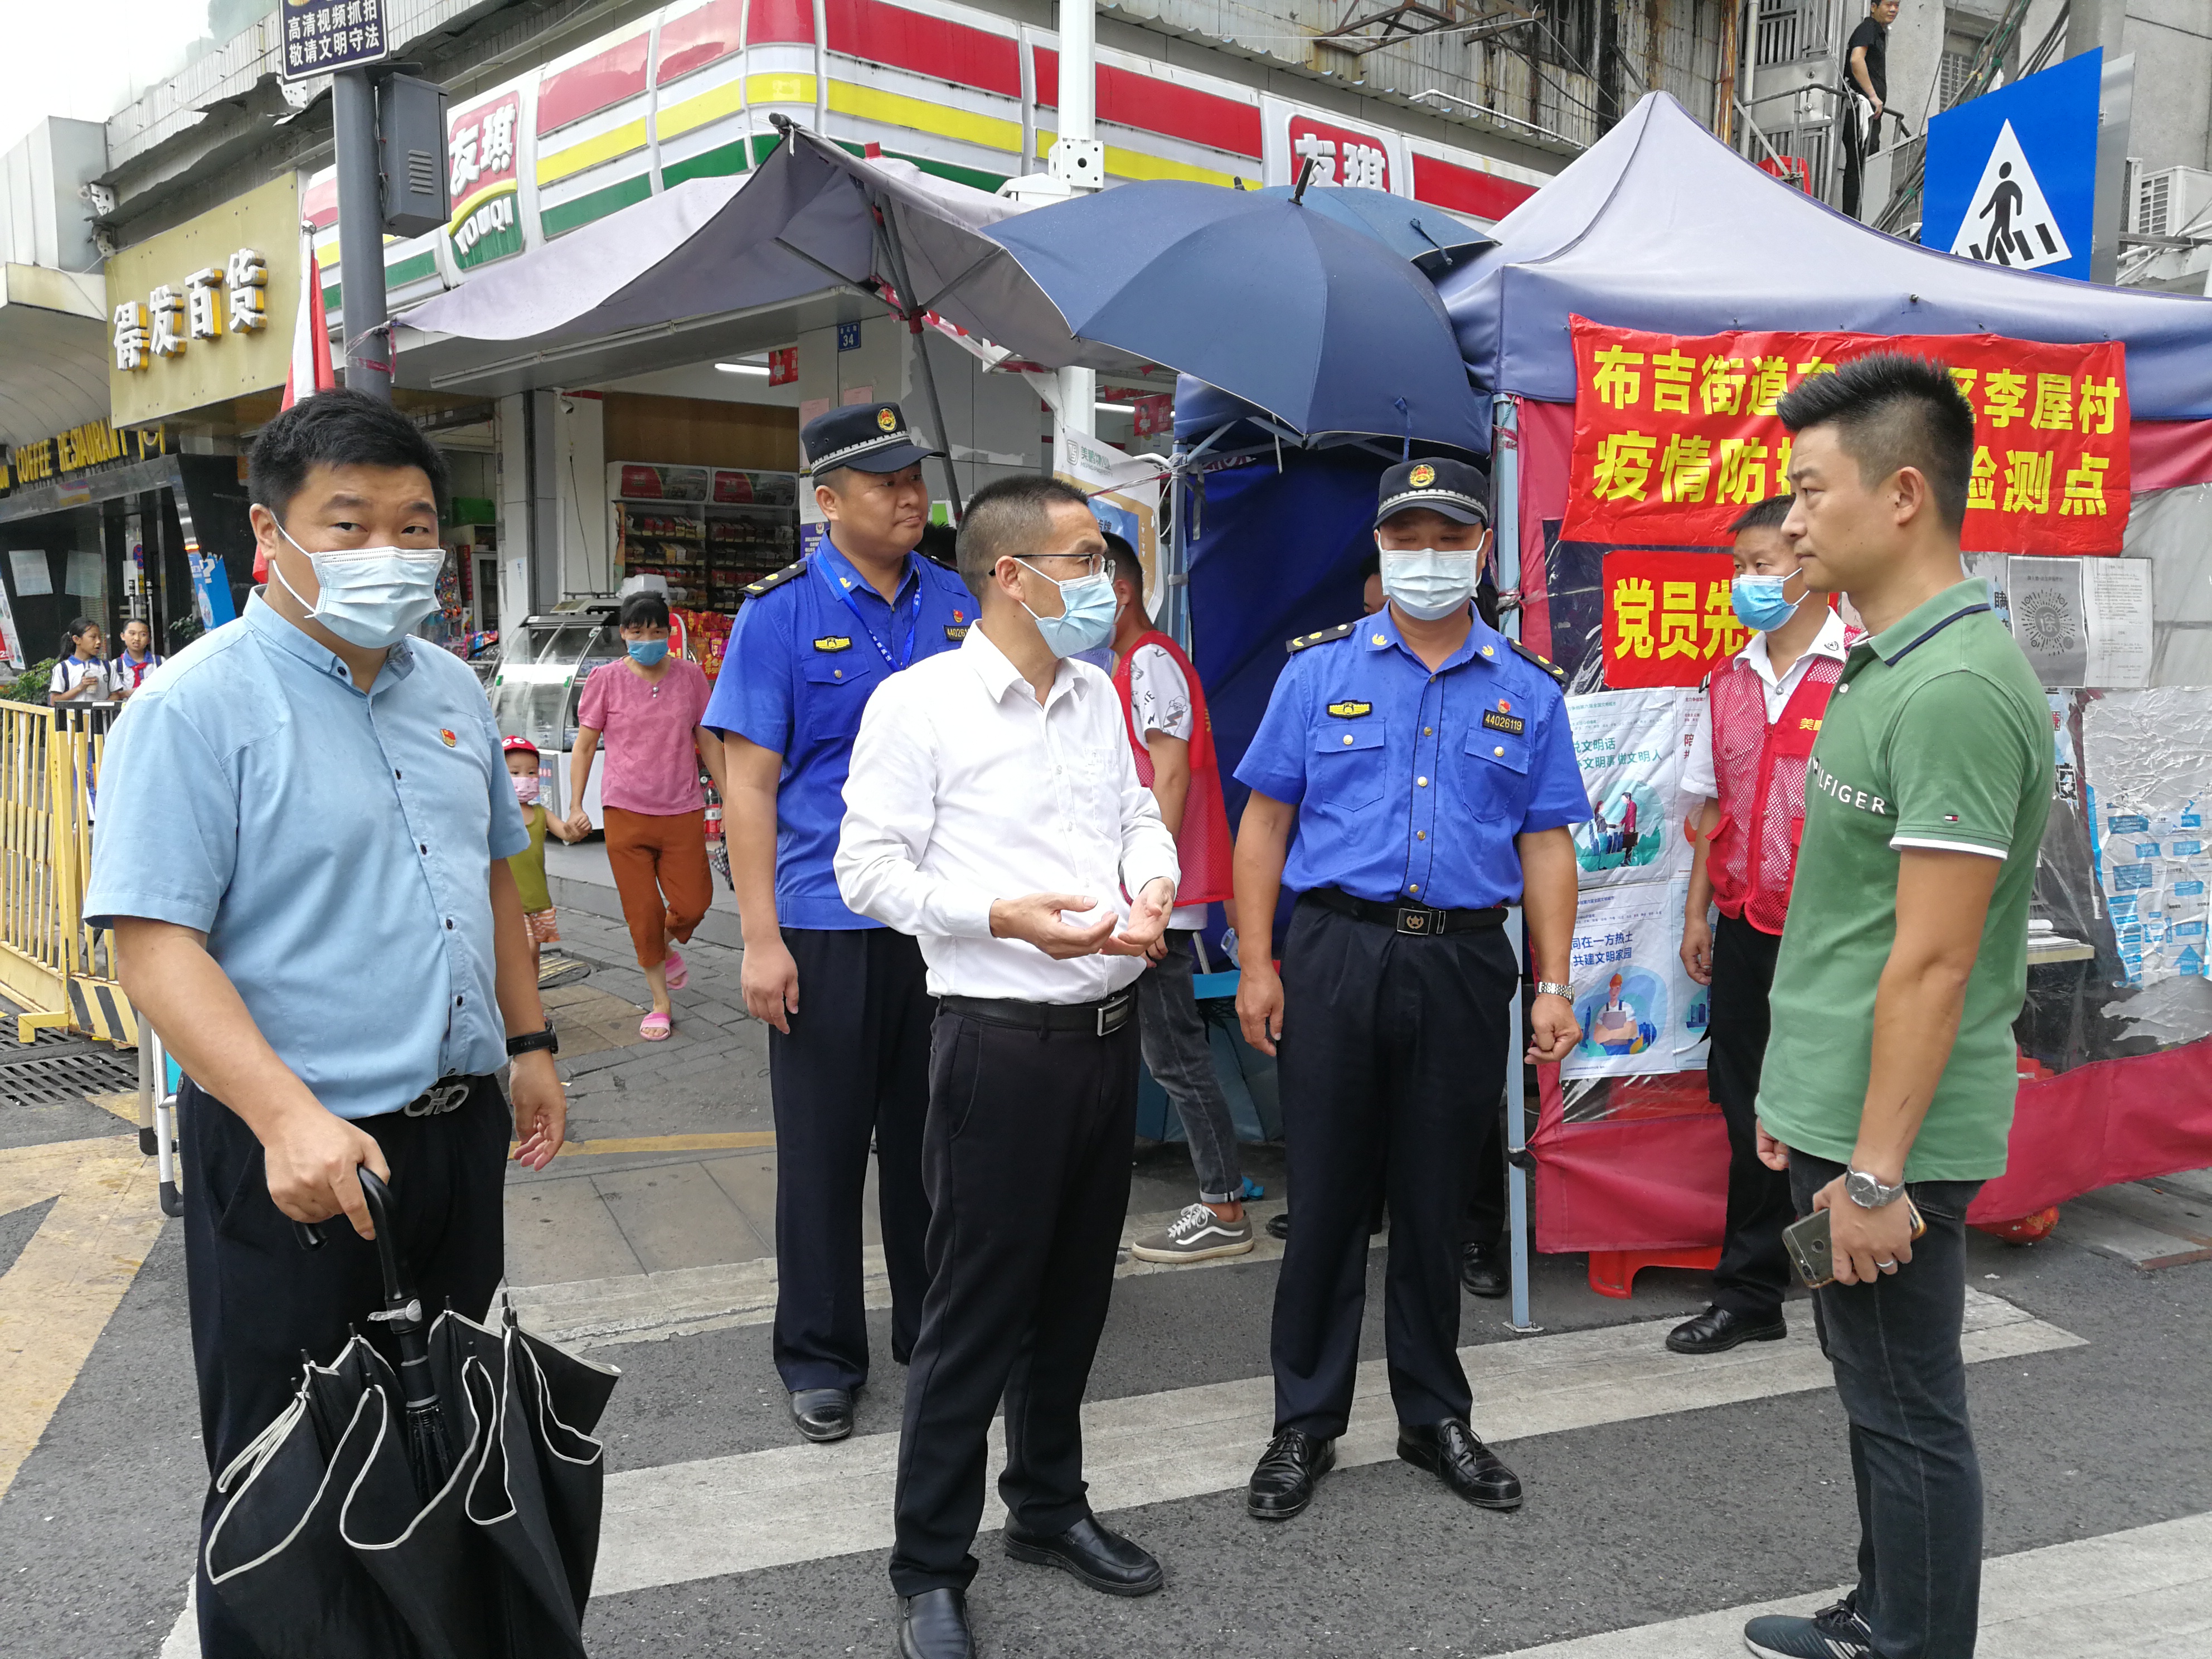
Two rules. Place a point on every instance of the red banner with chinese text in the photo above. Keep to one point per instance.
(1674, 436)
(1668, 617)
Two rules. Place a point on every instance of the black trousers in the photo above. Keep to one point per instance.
(1392, 1061)
(1754, 1269)
(1902, 1379)
(258, 1299)
(1485, 1223)
(1026, 1159)
(855, 1067)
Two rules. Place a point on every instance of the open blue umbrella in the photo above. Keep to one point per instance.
(1324, 327)
(1432, 239)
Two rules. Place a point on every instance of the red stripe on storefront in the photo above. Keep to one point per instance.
(319, 206)
(890, 35)
(1130, 99)
(1464, 190)
(597, 84)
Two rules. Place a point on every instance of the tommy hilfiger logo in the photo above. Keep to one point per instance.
(1818, 777)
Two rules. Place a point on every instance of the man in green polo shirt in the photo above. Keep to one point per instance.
(1902, 967)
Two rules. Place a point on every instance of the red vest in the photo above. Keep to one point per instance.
(1760, 769)
(1203, 847)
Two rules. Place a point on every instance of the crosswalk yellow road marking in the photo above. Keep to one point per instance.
(70, 1279)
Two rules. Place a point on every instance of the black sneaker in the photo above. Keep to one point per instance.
(1836, 1633)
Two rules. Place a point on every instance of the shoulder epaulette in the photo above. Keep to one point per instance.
(1558, 674)
(753, 590)
(1341, 631)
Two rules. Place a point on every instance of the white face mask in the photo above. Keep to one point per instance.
(369, 596)
(1427, 584)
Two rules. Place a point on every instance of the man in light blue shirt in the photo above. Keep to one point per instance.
(303, 833)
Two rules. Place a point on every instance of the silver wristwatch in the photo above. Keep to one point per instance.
(1866, 1191)
(1552, 987)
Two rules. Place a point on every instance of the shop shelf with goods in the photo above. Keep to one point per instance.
(706, 532)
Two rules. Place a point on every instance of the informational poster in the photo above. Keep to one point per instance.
(87, 576)
(1990, 568)
(1625, 967)
(2116, 607)
(32, 572)
(13, 641)
(2148, 756)
(1675, 435)
(1630, 747)
(1124, 494)
(1694, 1003)
(2047, 619)
(1669, 617)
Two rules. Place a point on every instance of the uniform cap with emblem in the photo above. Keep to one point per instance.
(1458, 490)
(872, 437)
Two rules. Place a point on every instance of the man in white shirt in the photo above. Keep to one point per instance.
(1746, 768)
(993, 813)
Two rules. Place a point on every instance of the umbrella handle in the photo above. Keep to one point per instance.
(379, 1196)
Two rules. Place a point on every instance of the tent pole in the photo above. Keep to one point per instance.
(911, 308)
(1174, 580)
(1505, 491)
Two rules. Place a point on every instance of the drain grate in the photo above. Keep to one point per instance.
(51, 1073)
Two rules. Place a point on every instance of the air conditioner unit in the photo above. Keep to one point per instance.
(2174, 201)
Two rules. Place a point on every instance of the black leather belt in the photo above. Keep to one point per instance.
(447, 1094)
(1407, 918)
(1100, 1019)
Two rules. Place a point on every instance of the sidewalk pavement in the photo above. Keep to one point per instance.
(660, 1219)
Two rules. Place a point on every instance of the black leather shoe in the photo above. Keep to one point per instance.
(1450, 1451)
(1718, 1329)
(934, 1624)
(1278, 1226)
(823, 1414)
(1104, 1560)
(1481, 1270)
(1282, 1482)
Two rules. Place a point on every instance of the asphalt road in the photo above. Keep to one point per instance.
(1628, 1523)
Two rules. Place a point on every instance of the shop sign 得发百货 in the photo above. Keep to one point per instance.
(1675, 435)
(204, 313)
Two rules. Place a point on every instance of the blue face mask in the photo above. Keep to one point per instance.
(1759, 602)
(646, 653)
(1085, 620)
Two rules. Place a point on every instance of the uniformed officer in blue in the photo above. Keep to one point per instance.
(844, 997)
(1426, 763)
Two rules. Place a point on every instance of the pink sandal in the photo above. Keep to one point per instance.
(654, 1028)
(672, 968)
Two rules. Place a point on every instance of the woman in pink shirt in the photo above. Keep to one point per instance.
(649, 706)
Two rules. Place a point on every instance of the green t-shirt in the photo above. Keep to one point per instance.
(1937, 736)
(529, 865)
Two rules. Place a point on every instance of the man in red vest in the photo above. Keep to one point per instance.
(1163, 712)
(1747, 764)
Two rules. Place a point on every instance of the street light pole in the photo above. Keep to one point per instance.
(1077, 160)
(360, 233)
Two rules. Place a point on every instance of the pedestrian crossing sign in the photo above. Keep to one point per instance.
(2012, 175)
(2010, 220)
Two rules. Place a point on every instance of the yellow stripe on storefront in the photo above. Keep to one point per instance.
(566, 163)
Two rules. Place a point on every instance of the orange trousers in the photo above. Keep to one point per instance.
(660, 865)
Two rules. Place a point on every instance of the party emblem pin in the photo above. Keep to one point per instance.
(886, 420)
(446, 736)
(1422, 476)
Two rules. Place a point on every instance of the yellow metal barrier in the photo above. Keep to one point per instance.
(50, 963)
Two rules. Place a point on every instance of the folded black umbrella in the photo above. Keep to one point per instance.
(449, 1511)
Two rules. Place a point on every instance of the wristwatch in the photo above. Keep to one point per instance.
(1866, 1191)
(531, 1040)
(1552, 987)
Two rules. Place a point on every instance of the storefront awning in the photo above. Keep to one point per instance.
(53, 352)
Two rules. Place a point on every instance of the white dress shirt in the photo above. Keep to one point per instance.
(963, 790)
(1699, 781)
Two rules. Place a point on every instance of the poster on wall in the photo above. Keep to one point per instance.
(1694, 1003)
(1630, 746)
(8, 637)
(1675, 435)
(2083, 621)
(2148, 759)
(1124, 494)
(2047, 620)
(2116, 610)
(1623, 972)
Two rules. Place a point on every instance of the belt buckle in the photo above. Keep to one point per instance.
(1419, 919)
(437, 1100)
(1114, 1013)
